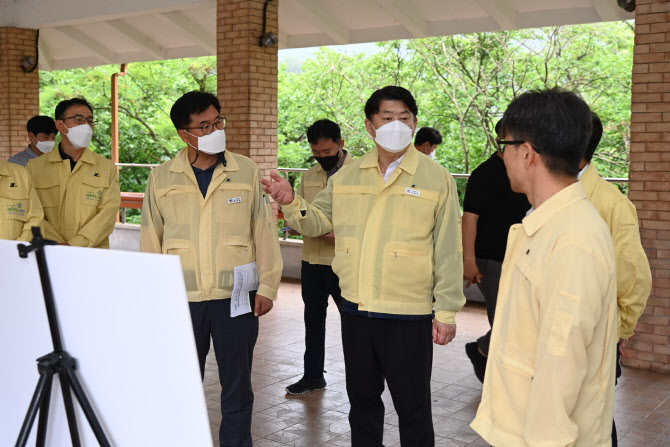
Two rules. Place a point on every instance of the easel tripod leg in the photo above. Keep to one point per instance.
(86, 407)
(35, 403)
(43, 421)
(69, 409)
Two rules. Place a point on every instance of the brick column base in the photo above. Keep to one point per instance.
(649, 348)
(19, 91)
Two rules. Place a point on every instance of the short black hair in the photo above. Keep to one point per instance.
(497, 127)
(433, 136)
(324, 129)
(596, 135)
(556, 122)
(62, 106)
(41, 123)
(190, 103)
(390, 93)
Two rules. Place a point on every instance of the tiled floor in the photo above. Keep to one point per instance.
(320, 418)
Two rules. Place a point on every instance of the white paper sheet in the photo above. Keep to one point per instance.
(246, 280)
(124, 317)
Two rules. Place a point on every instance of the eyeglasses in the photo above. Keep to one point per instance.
(208, 128)
(503, 143)
(81, 119)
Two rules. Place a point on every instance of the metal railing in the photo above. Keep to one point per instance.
(134, 200)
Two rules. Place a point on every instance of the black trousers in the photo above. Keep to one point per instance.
(401, 352)
(234, 340)
(489, 287)
(318, 282)
(617, 374)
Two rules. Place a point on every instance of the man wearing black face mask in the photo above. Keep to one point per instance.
(318, 279)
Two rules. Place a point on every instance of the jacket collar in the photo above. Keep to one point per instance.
(408, 163)
(590, 179)
(87, 156)
(181, 163)
(552, 206)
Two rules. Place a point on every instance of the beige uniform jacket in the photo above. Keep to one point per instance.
(397, 244)
(80, 205)
(315, 250)
(232, 226)
(20, 208)
(550, 371)
(633, 272)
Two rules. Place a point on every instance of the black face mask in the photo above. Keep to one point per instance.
(328, 163)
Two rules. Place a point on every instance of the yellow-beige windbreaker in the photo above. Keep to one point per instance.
(397, 244)
(80, 205)
(633, 272)
(20, 207)
(550, 371)
(314, 249)
(232, 226)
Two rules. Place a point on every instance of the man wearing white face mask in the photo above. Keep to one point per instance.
(398, 246)
(42, 136)
(426, 140)
(78, 189)
(206, 206)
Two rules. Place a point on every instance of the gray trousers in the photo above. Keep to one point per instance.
(489, 288)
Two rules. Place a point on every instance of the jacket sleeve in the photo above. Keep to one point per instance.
(269, 262)
(101, 226)
(48, 231)
(311, 219)
(448, 257)
(633, 272)
(35, 213)
(151, 229)
(573, 299)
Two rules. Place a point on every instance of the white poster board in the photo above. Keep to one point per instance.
(124, 317)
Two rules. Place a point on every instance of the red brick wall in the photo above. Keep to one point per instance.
(247, 79)
(19, 91)
(649, 348)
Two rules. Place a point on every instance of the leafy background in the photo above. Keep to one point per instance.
(462, 85)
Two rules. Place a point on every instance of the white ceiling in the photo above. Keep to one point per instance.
(81, 33)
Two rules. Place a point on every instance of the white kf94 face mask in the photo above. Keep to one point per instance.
(80, 136)
(394, 136)
(211, 144)
(45, 146)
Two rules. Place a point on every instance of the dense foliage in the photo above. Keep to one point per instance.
(462, 85)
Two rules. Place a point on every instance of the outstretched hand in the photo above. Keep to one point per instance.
(279, 188)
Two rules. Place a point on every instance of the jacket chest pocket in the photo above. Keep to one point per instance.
(179, 204)
(91, 188)
(312, 188)
(523, 309)
(415, 209)
(15, 204)
(48, 190)
(232, 204)
(352, 204)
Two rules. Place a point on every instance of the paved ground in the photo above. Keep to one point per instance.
(320, 418)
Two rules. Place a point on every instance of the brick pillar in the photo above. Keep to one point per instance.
(649, 348)
(19, 91)
(247, 79)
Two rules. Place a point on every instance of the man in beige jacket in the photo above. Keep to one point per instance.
(550, 371)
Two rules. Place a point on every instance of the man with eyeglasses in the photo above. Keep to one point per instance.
(489, 209)
(206, 205)
(78, 189)
(42, 139)
(550, 374)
